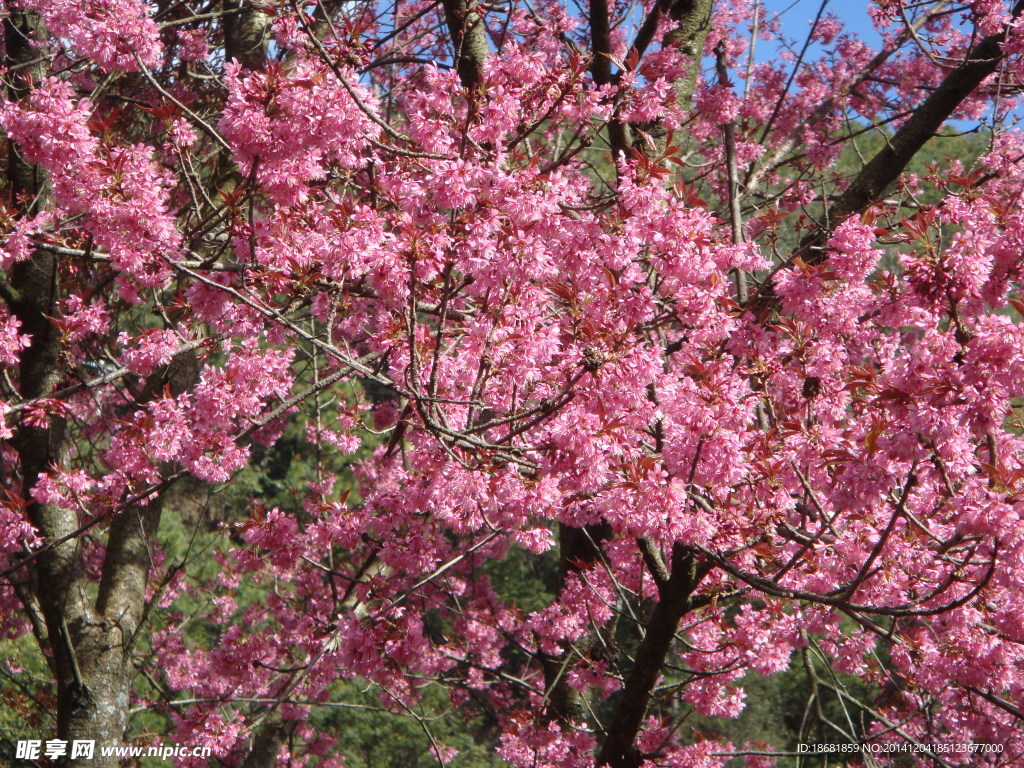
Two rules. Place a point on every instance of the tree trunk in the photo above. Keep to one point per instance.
(89, 643)
(469, 39)
(245, 34)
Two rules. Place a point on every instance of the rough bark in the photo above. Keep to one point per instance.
(267, 743)
(20, 29)
(86, 700)
(245, 34)
(469, 39)
(689, 36)
(693, 22)
(88, 642)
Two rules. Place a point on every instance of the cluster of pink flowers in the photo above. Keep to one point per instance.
(121, 189)
(552, 343)
(116, 34)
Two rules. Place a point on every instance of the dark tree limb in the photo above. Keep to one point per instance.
(600, 42)
(886, 166)
(676, 600)
(776, 156)
(601, 66)
(693, 22)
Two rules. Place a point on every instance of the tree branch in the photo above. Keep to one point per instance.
(886, 166)
(677, 599)
(469, 38)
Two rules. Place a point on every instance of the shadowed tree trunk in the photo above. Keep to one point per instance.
(675, 599)
(694, 23)
(245, 34)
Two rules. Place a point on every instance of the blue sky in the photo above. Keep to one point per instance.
(798, 14)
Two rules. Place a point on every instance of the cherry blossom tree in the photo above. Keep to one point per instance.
(584, 285)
